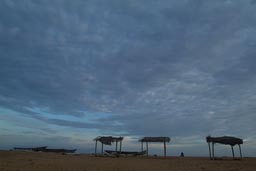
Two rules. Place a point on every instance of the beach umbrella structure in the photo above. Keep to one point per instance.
(108, 140)
(154, 139)
(226, 140)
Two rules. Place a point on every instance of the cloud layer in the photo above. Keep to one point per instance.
(176, 68)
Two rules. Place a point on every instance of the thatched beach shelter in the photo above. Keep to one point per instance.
(226, 140)
(154, 139)
(108, 141)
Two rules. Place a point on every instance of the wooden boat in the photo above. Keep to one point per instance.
(132, 153)
(61, 150)
(30, 148)
(45, 149)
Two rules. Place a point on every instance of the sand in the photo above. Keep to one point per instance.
(40, 161)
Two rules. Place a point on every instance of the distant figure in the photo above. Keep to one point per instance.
(181, 154)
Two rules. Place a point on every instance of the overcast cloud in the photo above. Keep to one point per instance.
(79, 69)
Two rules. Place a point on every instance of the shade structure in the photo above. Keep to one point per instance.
(108, 140)
(154, 139)
(226, 140)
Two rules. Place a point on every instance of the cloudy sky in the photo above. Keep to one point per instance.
(73, 70)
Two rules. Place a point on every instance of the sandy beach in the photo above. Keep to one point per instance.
(40, 161)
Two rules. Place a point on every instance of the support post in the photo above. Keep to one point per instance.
(164, 149)
(96, 143)
(240, 151)
(141, 146)
(116, 146)
(233, 152)
(213, 150)
(101, 148)
(209, 145)
(120, 149)
(147, 148)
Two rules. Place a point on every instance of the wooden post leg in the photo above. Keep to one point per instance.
(96, 147)
(164, 149)
(116, 146)
(101, 148)
(209, 145)
(120, 149)
(213, 151)
(141, 146)
(240, 151)
(147, 148)
(233, 152)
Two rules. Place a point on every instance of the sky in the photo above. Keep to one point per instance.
(74, 70)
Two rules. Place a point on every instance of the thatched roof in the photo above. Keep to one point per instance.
(155, 139)
(225, 140)
(108, 140)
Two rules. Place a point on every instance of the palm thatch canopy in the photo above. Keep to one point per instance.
(155, 139)
(227, 140)
(108, 140)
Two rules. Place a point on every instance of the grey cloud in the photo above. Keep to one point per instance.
(178, 68)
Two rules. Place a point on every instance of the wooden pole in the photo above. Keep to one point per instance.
(213, 150)
(240, 151)
(141, 146)
(164, 149)
(233, 152)
(209, 145)
(147, 148)
(96, 147)
(116, 146)
(101, 148)
(120, 149)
